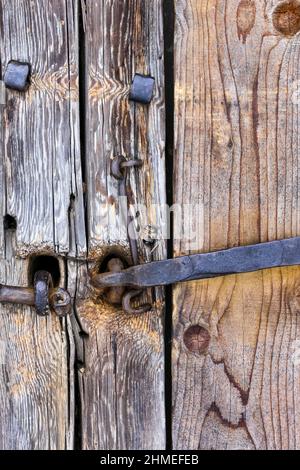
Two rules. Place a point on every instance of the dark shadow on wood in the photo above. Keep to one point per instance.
(169, 26)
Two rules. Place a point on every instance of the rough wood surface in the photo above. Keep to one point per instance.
(36, 383)
(40, 169)
(40, 147)
(120, 358)
(236, 382)
(122, 379)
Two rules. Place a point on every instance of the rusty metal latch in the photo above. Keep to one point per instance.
(42, 296)
(157, 273)
(204, 266)
(119, 169)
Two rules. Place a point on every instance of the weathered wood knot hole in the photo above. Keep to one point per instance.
(286, 17)
(44, 263)
(9, 222)
(196, 339)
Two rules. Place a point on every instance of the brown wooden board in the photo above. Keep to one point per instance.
(122, 376)
(235, 370)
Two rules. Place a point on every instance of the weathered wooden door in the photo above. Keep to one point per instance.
(100, 378)
(97, 374)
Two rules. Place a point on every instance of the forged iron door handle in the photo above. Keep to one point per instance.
(205, 265)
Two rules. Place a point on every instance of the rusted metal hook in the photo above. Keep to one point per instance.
(120, 164)
(43, 296)
(126, 303)
(119, 169)
(118, 295)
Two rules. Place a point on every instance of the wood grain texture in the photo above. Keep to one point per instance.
(40, 169)
(122, 379)
(36, 362)
(40, 146)
(122, 38)
(237, 156)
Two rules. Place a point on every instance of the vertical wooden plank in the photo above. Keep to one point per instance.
(42, 182)
(122, 380)
(235, 376)
(40, 137)
(36, 361)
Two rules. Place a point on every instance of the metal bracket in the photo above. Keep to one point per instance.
(43, 296)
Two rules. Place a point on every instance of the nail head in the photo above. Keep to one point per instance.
(16, 75)
(142, 89)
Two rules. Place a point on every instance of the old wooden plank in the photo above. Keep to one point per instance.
(36, 383)
(122, 379)
(42, 183)
(41, 139)
(235, 373)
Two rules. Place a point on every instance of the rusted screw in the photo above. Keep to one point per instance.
(16, 75)
(142, 89)
(196, 339)
(117, 295)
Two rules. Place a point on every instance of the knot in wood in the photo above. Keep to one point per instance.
(286, 17)
(196, 339)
